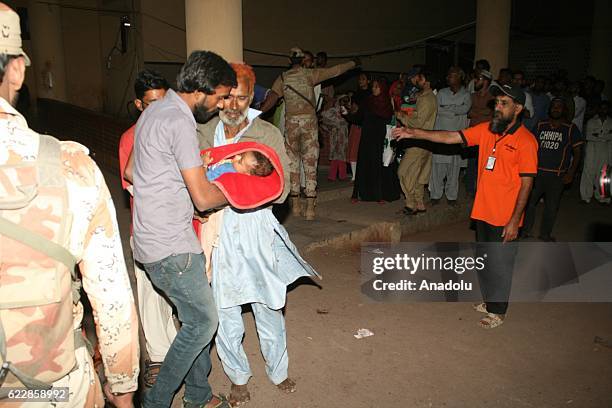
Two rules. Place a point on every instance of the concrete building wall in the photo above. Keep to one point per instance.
(545, 55)
(118, 70)
(345, 26)
(82, 53)
(163, 30)
(89, 30)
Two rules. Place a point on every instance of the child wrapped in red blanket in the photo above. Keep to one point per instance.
(249, 174)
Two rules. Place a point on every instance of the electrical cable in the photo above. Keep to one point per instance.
(84, 8)
(162, 52)
(367, 53)
(162, 21)
(386, 50)
(116, 11)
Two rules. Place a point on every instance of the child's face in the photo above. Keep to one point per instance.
(244, 163)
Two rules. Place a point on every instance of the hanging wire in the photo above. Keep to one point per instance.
(114, 11)
(381, 51)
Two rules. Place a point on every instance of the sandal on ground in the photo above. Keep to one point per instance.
(223, 402)
(491, 321)
(480, 307)
(287, 386)
(239, 395)
(151, 370)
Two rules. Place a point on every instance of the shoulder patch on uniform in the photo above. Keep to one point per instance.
(70, 146)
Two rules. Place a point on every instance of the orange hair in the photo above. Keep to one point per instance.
(244, 72)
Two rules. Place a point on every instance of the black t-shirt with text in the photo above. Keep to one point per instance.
(555, 145)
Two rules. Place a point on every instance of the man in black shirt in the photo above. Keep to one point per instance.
(560, 143)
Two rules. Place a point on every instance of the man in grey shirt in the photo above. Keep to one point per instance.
(169, 180)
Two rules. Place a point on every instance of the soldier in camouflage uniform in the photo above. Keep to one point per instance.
(296, 86)
(56, 212)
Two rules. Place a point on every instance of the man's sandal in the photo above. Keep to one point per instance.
(239, 395)
(151, 370)
(480, 307)
(491, 321)
(287, 386)
(221, 403)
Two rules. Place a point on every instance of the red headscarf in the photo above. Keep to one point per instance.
(380, 105)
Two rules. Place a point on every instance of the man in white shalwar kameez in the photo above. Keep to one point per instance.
(254, 259)
(454, 103)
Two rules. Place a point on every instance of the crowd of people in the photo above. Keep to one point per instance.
(356, 124)
(520, 142)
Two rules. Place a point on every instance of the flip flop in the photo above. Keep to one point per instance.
(151, 370)
(223, 403)
(491, 321)
(480, 307)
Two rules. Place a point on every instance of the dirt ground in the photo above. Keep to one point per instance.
(429, 354)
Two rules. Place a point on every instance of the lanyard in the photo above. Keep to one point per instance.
(497, 141)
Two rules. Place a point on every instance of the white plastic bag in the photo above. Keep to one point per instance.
(388, 152)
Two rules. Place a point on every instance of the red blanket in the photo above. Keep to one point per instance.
(245, 191)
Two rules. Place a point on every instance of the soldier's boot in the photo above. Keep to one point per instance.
(310, 208)
(296, 205)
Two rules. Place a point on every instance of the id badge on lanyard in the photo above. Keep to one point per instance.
(491, 159)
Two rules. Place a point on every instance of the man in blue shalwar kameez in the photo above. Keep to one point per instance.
(254, 259)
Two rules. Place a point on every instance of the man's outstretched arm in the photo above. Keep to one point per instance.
(323, 74)
(436, 136)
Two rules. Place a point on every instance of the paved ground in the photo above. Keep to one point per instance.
(423, 354)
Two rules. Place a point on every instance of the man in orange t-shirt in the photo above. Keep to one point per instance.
(507, 165)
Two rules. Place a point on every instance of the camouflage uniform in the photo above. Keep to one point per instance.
(86, 209)
(415, 168)
(296, 86)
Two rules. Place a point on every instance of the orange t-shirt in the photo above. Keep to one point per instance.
(126, 144)
(516, 156)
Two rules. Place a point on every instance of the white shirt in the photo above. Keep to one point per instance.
(579, 109)
(598, 130)
(529, 103)
(453, 109)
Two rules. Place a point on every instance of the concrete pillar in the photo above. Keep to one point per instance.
(47, 49)
(215, 25)
(600, 62)
(493, 32)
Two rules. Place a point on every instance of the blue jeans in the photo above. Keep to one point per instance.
(181, 277)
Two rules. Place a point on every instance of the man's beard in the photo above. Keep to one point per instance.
(478, 87)
(499, 124)
(233, 122)
(201, 114)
